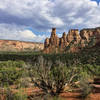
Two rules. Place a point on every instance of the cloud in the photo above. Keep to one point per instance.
(16, 33)
(27, 34)
(30, 36)
(37, 14)
(42, 15)
(81, 13)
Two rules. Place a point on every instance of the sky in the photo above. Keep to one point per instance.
(32, 20)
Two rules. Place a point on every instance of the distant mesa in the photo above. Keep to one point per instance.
(73, 41)
(20, 46)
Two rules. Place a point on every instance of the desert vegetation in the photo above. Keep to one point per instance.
(38, 76)
(50, 73)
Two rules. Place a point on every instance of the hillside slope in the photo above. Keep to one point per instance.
(12, 45)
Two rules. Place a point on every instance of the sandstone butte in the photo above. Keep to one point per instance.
(19, 46)
(74, 41)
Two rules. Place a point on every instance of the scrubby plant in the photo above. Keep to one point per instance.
(20, 95)
(9, 63)
(10, 72)
(51, 79)
(86, 88)
(9, 76)
(94, 69)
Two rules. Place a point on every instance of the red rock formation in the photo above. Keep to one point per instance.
(73, 35)
(86, 34)
(54, 40)
(97, 34)
(63, 41)
(73, 39)
(51, 44)
(46, 43)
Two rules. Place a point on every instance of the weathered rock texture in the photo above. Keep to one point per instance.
(11, 45)
(73, 41)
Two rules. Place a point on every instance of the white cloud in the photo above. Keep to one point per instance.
(30, 36)
(25, 8)
(27, 34)
(42, 15)
(78, 13)
(16, 33)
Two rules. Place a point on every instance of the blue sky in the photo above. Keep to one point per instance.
(32, 20)
(98, 1)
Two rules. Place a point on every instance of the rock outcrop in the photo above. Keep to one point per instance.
(73, 41)
(19, 46)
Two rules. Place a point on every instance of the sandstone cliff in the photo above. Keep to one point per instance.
(73, 41)
(11, 45)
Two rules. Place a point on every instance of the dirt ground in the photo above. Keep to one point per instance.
(70, 95)
(75, 96)
(63, 96)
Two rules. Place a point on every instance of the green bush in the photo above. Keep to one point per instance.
(7, 64)
(86, 88)
(15, 96)
(86, 56)
(10, 75)
(94, 69)
(51, 79)
(11, 72)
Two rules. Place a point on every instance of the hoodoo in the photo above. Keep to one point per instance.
(74, 40)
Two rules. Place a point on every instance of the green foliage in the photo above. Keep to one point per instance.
(51, 79)
(94, 69)
(15, 96)
(10, 72)
(86, 56)
(52, 71)
(7, 64)
(9, 76)
(86, 88)
(92, 41)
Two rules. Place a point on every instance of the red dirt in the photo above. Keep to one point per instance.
(75, 96)
(65, 96)
(70, 96)
(95, 96)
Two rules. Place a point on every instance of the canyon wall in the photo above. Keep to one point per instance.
(73, 41)
(14, 46)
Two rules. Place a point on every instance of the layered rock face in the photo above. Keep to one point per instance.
(52, 43)
(19, 46)
(74, 40)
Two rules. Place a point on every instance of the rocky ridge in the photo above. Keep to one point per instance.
(73, 41)
(19, 46)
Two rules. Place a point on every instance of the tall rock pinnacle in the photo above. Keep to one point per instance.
(74, 37)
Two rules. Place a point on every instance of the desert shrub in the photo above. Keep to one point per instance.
(51, 79)
(94, 69)
(11, 72)
(46, 97)
(9, 76)
(15, 96)
(24, 82)
(84, 72)
(17, 64)
(86, 88)
(86, 56)
(84, 76)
